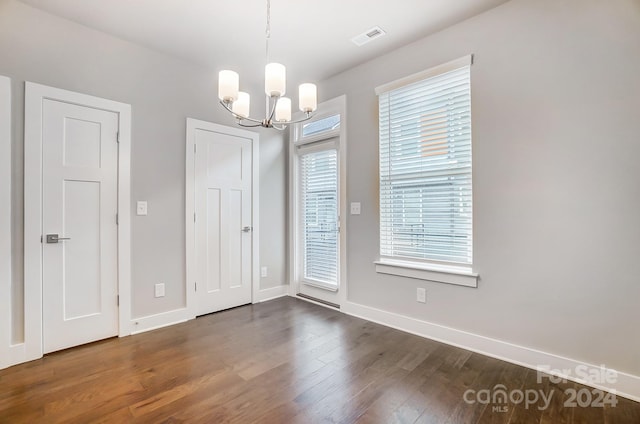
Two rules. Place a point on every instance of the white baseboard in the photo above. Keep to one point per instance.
(15, 354)
(272, 293)
(164, 319)
(626, 385)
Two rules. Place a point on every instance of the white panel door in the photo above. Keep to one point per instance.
(79, 281)
(223, 228)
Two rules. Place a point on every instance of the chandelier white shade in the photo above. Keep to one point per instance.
(278, 108)
(228, 83)
(308, 97)
(242, 105)
(283, 110)
(275, 80)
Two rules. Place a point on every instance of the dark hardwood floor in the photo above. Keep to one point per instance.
(284, 361)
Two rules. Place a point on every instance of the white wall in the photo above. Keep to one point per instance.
(273, 211)
(556, 130)
(163, 91)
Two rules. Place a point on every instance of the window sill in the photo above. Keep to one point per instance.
(459, 276)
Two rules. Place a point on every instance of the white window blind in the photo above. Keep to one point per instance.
(425, 169)
(319, 196)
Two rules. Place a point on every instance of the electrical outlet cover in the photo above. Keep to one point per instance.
(141, 208)
(421, 295)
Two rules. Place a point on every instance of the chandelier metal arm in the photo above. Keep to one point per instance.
(297, 121)
(249, 125)
(267, 122)
(273, 108)
(235, 115)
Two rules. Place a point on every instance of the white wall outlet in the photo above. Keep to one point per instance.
(263, 271)
(355, 208)
(421, 295)
(141, 207)
(160, 290)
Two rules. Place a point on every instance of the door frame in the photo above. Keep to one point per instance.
(337, 105)
(190, 252)
(6, 300)
(35, 94)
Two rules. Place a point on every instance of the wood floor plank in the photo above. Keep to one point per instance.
(382, 410)
(283, 361)
(500, 412)
(557, 411)
(489, 373)
(623, 411)
(431, 400)
(524, 413)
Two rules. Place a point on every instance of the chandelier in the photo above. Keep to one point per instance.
(278, 107)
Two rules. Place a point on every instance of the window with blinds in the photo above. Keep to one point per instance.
(319, 215)
(425, 168)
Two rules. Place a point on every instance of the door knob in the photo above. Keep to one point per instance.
(54, 238)
(246, 229)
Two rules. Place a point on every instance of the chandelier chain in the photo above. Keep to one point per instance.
(268, 30)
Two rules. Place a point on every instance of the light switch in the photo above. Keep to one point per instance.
(355, 208)
(141, 207)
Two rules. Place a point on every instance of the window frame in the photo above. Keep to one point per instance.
(299, 139)
(337, 136)
(426, 269)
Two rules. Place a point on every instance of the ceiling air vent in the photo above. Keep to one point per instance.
(367, 36)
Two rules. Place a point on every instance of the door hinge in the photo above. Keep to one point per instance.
(195, 285)
(41, 239)
(195, 149)
(117, 220)
(118, 300)
(118, 137)
(194, 217)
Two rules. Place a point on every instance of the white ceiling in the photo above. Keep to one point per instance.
(312, 38)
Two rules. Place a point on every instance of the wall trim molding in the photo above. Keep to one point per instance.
(627, 385)
(271, 293)
(155, 321)
(6, 325)
(15, 354)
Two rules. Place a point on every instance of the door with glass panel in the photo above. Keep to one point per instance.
(317, 241)
(318, 221)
